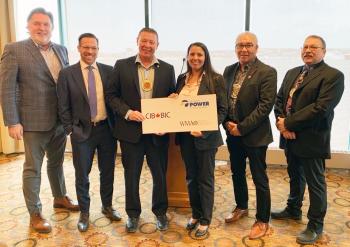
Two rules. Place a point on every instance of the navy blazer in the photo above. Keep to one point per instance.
(73, 101)
(124, 94)
(254, 103)
(312, 109)
(210, 139)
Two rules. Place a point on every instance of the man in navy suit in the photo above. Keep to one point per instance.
(304, 111)
(88, 121)
(141, 77)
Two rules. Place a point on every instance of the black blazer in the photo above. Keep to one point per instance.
(254, 102)
(312, 109)
(73, 102)
(124, 94)
(210, 139)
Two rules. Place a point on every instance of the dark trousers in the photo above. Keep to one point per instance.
(157, 160)
(100, 139)
(200, 165)
(239, 152)
(310, 171)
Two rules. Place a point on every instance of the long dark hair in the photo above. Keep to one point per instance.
(207, 67)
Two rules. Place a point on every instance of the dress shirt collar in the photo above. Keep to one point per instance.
(311, 67)
(247, 66)
(199, 79)
(154, 61)
(42, 47)
(84, 65)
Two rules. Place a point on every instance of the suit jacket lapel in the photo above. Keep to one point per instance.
(312, 75)
(135, 73)
(180, 84)
(34, 50)
(231, 77)
(79, 80)
(248, 77)
(59, 55)
(250, 74)
(204, 86)
(156, 80)
(103, 76)
(290, 83)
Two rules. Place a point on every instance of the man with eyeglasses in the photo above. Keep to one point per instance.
(28, 75)
(252, 89)
(304, 111)
(89, 121)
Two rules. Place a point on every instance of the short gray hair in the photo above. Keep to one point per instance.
(319, 38)
(40, 11)
(252, 35)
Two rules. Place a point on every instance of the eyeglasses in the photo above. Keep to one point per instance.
(89, 47)
(240, 46)
(311, 47)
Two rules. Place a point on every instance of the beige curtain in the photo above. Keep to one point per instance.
(7, 34)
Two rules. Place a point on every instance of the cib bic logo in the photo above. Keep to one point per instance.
(187, 103)
(153, 115)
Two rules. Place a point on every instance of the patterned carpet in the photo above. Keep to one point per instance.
(14, 219)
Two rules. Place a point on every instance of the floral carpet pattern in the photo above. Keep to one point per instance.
(15, 231)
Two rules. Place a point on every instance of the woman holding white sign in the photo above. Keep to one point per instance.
(198, 148)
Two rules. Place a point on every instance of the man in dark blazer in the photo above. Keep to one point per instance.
(89, 121)
(304, 112)
(251, 88)
(28, 75)
(135, 78)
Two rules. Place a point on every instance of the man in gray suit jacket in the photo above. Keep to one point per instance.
(28, 74)
(304, 111)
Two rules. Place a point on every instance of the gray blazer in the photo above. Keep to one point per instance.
(27, 88)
